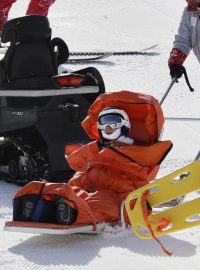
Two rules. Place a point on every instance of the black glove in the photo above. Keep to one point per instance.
(176, 70)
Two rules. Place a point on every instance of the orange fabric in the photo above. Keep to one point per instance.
(161, 224)
(64, 190)
(144, 112)
(143, 155)
(71, 148)
(110, 176)
(123, 171)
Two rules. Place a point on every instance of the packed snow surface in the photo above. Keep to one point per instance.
(116, 25)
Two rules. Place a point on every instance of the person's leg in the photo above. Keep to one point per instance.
(5, 6)
(39, 7)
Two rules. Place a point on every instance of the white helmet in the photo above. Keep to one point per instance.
(115, 118)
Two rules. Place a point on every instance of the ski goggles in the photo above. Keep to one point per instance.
(112, 120)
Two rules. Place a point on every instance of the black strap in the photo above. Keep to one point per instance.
(187, 80)
(123, 155)
(63, 51)
(132, 160)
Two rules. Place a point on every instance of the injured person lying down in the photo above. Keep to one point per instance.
(124, 154)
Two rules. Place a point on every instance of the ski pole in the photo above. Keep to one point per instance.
(197, 156)
(176, 80)
(191, 90)
(168, 89)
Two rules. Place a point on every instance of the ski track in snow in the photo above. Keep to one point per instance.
(118, 25)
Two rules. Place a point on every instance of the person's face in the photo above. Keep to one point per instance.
(193, 3)
(109, 130)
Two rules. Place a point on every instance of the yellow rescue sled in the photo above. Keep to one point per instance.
(170, 187)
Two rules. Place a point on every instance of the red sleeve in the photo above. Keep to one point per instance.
(39, 7)
(176, 57)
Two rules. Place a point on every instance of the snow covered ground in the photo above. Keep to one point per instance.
(118, 25)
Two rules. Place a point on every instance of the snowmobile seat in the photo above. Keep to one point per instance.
(31, 59)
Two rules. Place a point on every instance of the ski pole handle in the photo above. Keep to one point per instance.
(175, 79)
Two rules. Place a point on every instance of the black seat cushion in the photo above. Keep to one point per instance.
(32, 55)
(26, 28)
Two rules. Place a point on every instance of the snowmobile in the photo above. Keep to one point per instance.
(40, 110)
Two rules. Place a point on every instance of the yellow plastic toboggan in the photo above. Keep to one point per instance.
(175, 185)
